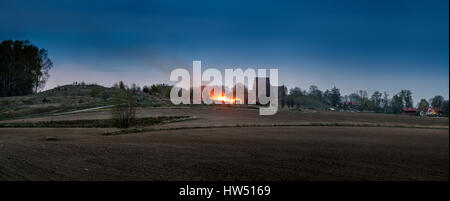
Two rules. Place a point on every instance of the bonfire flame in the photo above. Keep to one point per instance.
(224, 99)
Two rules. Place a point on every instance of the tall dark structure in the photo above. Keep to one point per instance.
(256, 87)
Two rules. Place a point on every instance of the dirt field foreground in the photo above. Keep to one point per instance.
(236, 153)
(288, 153)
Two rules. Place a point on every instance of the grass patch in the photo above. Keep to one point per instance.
(97, 123)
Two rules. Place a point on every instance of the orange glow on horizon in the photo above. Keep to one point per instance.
(225, 99)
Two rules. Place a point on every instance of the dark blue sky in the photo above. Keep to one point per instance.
(384, 45)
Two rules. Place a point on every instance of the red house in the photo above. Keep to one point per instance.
(409, 111)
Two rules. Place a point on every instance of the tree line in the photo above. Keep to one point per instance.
(360, 100)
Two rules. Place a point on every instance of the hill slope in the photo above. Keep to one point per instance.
(67, 98)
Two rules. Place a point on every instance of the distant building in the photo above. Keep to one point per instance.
(256, 87)
(409, 111)
(349, 103)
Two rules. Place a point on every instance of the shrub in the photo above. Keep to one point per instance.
(146, 90)
(95, 91)
(124, 109)
(6, 102)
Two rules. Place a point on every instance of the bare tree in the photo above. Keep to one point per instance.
(124, 110)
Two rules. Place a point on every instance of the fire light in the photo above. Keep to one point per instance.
(224, 99)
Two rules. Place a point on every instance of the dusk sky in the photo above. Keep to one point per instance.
(371, 45)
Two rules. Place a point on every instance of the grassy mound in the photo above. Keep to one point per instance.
(67, 98)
